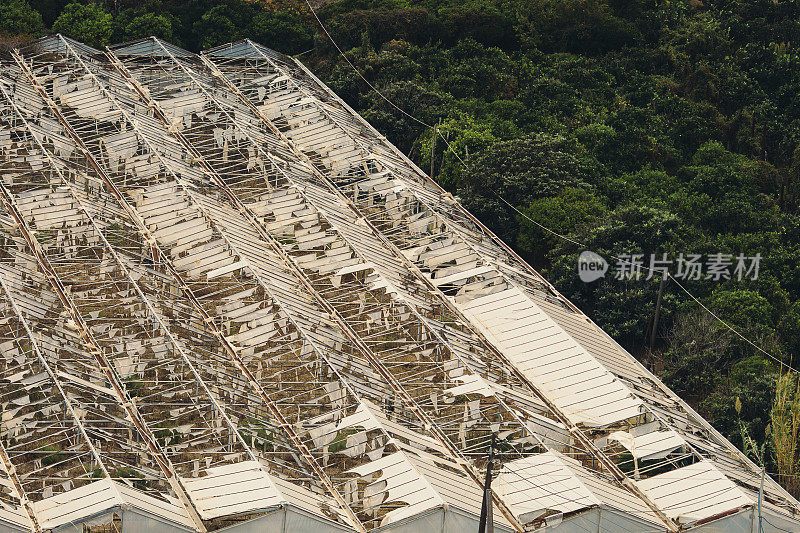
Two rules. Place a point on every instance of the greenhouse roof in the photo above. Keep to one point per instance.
(228, 302)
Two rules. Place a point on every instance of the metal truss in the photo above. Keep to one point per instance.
(454, 267)
(328, 424)
(292, 200)
(224, 294)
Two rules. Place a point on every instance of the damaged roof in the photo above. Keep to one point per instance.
(228, 302)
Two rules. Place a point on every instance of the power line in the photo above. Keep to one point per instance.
(666, 275)
(776, 527)
(412, 117)
(731, 328)
(538, 224)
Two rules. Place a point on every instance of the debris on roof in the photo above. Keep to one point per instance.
(227, 300)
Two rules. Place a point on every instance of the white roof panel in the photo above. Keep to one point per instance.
(77, 504)
(540, 483)
(653, 445)
(398, 481)
(695, 492)
(610, 494)
(171, 511)
(233, 488)
(16, 517)
(562, 369)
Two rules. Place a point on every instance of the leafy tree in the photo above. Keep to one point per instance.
(521, 170)
(411, 24)
(750, 385)
(416, 98)
(742, 307)
(622, 307)
(224, 23)
(699, 347)
(150, 24)
(473, 70)
(581, 26)
(88, 23)
(479, 20)
(719, 192)
(567, 212)
(284, 31)
(17, 17)
(49, 9)
(215, 28)
(788, 329)
(464, 136)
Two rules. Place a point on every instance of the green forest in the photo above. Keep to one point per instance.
(636, 127)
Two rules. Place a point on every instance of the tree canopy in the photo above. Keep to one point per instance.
(89, 23)
(17, 17)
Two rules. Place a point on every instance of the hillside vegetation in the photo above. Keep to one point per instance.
(635, 127)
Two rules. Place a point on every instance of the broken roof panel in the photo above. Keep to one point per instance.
(228, 300)
(694, 493)
(583, 389)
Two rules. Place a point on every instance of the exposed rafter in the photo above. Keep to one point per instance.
(227, 300)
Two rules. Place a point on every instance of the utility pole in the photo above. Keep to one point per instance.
(658, 310)
(444, 152)
(486, 524)
(760, 497)
(433, 146)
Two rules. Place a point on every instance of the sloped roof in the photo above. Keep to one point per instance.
(223, 295)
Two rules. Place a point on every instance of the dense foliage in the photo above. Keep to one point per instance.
(665, 126)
